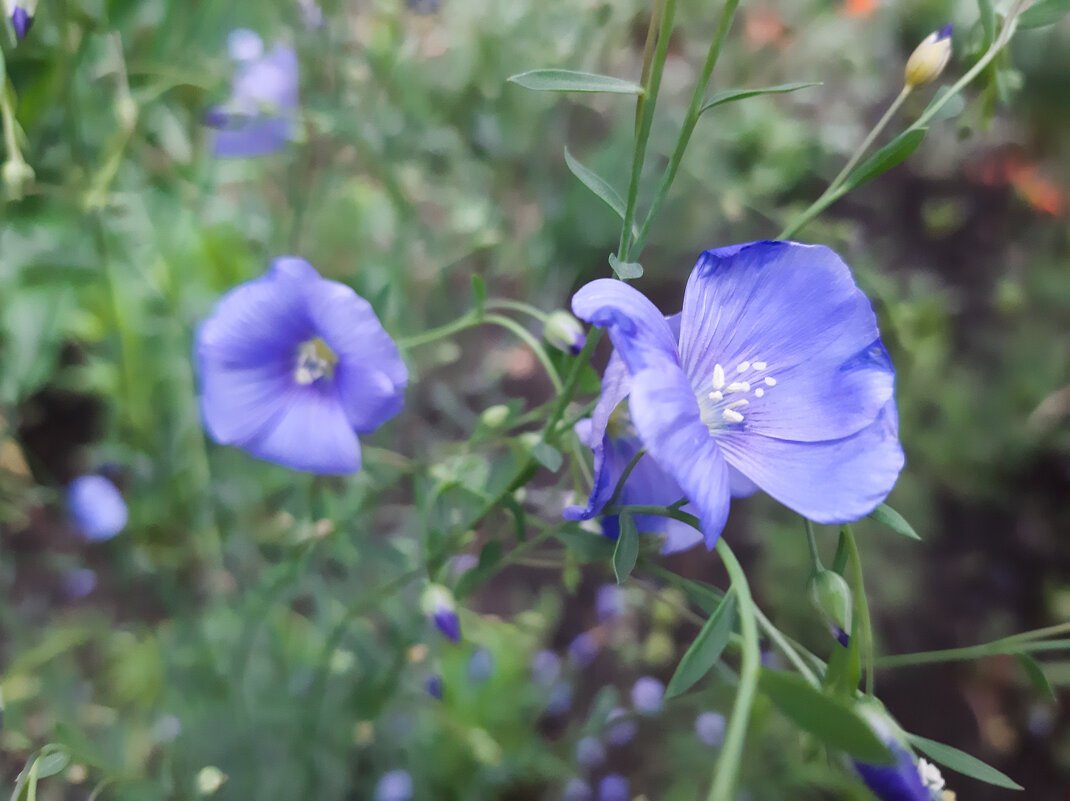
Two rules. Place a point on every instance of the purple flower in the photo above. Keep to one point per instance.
(590, 752)
(294, 366)
(437, 603)
(21, 20)
(613, 787)
(560, 698)
(433, 685)
(96, 508)
(609, 602)
(545, 668)
(620, 728)
(394, 786)
(260, 116)
(899, 782)
(583, 650)
(577, 790)
(709, 728)
(778, 374)
(77, 584)
(648, 694)
(480, 666)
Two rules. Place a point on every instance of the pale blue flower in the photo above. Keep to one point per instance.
(577, 790)
(620, 727)
(294, 366)
(96, 507)
(778, 374)
(590, 753)
(709, 728)
(614, 787)
(394, 786)
(545, 668)
(648, 695)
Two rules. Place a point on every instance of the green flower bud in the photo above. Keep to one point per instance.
(495, 416)
(564, 332)
(209, 780)
(831, 594)
(929, 58)
(16, 174)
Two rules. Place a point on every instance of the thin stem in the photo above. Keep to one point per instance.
(785, 647)
(624, 476)
(1007, 645)
(449, 329)
(727, 770)
(518, 306)
(648, 58)
(694, 111)
(645, 111)
(861, 606)
(811, 540)
(529, 340)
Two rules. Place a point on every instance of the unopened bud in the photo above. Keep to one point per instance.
(929, 58)
(495, 416)
(209, 780)
(564, 332)
(16, 174)
(831, 594)
(21, 20)
(126, 112)
(437, 603)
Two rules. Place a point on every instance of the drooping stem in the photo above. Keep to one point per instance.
(727, 771)
(861, 604)
(811, 541)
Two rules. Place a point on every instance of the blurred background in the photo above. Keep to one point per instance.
(228, 627)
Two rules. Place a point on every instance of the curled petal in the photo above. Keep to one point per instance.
(638, 330)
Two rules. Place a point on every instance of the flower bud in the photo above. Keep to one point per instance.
(209, 780)
(831, 594)
(21, 20)
(929, 58)
(437, 603)
(16, 174)
(564, 332)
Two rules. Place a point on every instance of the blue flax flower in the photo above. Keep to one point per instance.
(394, 786)
(614, 787)
(260, 116)
(97, 509)
(907, 779)
(294, 366)
(778, 380)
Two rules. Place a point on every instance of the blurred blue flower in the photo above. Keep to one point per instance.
(899, 782)
(590, 753)
(394, 786)
(545, 668)
(77, 584)
(709, 728)
(648, 694)
(294, 366)
(433, 685)
(260, 115)
(560, 698)
(97, 510)
(778, 373)
(620, 727)
(609, 602)
(613, 787)
(21, 19)
(480, 666)
(311, 14)
(577, 790)
(583, 650)
(437, 603)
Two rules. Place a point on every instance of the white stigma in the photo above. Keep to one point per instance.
(770, 382)
(715, 412)
(759, 392)
(716, 395)
(314, 361)
(732, 416)
(743, 367)
(930, 775)
(718, 377)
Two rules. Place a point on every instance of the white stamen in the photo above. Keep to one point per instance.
(732, 416)
(716, 396)
(718, 377)
(770, 381)
(760, 365)
(737, 404)
(738, 386)
(930, 775)
(759, 392)
(743, 367)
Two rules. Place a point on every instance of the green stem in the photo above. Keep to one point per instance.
(517, 306)
(727, 770)
(1007, 645)
(624, 476)
(861, 606)
(529, 340)
(463, 323)
(645, 113)
(786, 647)
(811, 541)
(694, 111)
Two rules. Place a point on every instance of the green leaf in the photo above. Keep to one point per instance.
(887, 157)
(706, 649)
(548, 456)
(831, 720)
(479, 292)
(895, 521)
(596, 184)
(961, 762)
(625, 270)
(731, 95)
(627, 550)
(1045, 12)
(52, 763)
(1035, 674)
(555, 80)
(952, 108)
(585, 545)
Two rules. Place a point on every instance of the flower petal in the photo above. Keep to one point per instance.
(310, 433)
(837, 481)
(239, 402)
(370, 375)
(638, 330)
(666, 415)
(252, 136)
(792, 314)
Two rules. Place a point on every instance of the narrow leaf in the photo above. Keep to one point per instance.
(479, 292)
(627, 550)
(731, 95)
(831, 720)
(548, 456)
(706, 649)
(961, 762)
(596, 184)
(555, 80)
(625, 270)
(895, 521)
(887, 157)
(1045, 12)
(52, 763)
(1035, 674)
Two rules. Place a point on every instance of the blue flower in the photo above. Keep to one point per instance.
(480, 666)
(899, 782)
(613, 787)
(778, 375)
(582, 650)
(648, 694)
(709, 728)
(545, 668)
(394, 786)
(620, 728)
(560, 700)
(590, 753)
(294, 366)
(260, 116)
(437, 603)
(609, 602)
(577, 790)
(21, 20)
(433, 685)
(97, 509)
